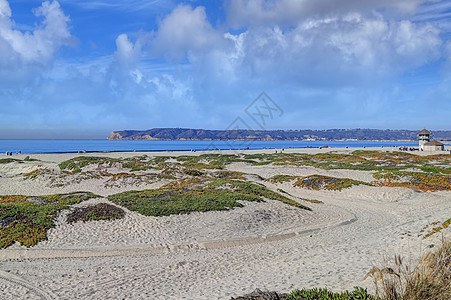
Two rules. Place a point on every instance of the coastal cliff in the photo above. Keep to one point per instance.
(114, 136)
(184, 134)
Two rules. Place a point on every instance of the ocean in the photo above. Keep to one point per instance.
(74, 146)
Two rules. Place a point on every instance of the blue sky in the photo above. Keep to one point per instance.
(80, 69)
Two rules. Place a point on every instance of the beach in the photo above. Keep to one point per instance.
(215, 254)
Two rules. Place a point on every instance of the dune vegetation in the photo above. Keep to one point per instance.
(27, 219)
(415, 180)
(11, 160)
(203, 183)
(98, 212)
(425, 173)
(202, 195)
(321, 182)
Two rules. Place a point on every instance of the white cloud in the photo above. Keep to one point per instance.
(345, 47)
(378, 45)
(184, 30)
(5, 10)
(347, 50)
(290, 12)
(25, 53)
(127, 53)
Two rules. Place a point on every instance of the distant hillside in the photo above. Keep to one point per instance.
(274, 135)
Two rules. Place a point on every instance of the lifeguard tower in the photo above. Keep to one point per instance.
(424, 137)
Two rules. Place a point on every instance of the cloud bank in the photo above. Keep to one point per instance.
(355, 62)
(242, 13)
(24, 54)
(341, 48)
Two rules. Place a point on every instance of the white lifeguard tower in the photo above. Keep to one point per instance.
(424, 137)
(425, 143)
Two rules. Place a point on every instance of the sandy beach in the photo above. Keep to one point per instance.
(216, 254)
(231, 150)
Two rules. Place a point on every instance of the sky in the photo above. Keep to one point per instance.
(83, 68)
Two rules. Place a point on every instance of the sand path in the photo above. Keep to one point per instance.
(36, 252)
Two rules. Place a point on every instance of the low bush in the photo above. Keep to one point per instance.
(196, 195)
(324, 294)
(229, 175)
(192, 172)
(415, 180)
(281, 178)
(101, 211)
(321, 182)
(27, 219)
(138, 163)
(8, 160)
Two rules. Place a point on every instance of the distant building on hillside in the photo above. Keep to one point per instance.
(425, 143)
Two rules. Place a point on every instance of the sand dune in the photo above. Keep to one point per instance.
(216, 255)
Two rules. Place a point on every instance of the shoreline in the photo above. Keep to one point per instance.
(330, 148)
(104, 146)
(307, 150)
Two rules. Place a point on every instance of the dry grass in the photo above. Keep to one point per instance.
(430, 279)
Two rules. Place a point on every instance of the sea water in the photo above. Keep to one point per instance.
(74, 146)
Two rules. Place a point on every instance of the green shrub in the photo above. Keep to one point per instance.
(229, 175)
(8, 160)
(192, 172)
(196, 195)
(324, 294)
(27, 219)
(281, 178)
(139, 163)
(165, 202)
(101, 211)
(319, 182)
(414, 180)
